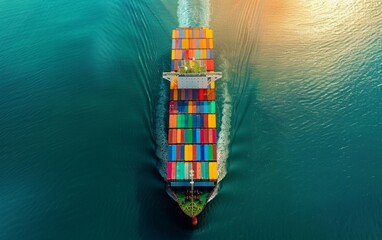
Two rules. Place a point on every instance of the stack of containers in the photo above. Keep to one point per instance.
(192, 114)
(192, 43)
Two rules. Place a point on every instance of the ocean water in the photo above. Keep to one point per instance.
(300, 120)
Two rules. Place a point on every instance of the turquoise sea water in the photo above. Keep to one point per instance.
(80, 85)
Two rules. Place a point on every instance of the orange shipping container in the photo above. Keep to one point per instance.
(194, 107)
(178, 54)
(185, 43)
(172, 121)
(179, 135)
(211, 94)
(196, 33)
(193, 43)
(203, 43)
(211, 44)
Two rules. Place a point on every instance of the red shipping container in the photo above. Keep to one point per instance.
(205, 118)
(178, 152)
(210, 65)
(189, 93)
(201, 94)
(175, 136)
(198, 170)
(187, 54)
(181, 132)
(214, 135)
(194, 151)
(169, 170)
(173, 107)
(195, 168)
(170, 136)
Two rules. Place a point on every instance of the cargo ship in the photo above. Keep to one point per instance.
(192, 167)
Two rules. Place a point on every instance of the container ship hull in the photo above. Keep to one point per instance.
(192, 168)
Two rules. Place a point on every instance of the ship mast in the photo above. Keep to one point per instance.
(192, 191)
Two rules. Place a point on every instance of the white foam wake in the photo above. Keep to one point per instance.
(161, 115)
(194, 13)
(225, 127)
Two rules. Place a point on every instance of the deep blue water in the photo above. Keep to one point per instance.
(300, 109)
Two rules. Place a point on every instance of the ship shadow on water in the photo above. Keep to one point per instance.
(159, 216)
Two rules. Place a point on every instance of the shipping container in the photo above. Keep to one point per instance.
(210, 65)
(204, 171)
(192, 94)
(213, 170)
(192, 121)
(190, 136)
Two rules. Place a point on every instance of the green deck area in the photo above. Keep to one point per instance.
(192, 206)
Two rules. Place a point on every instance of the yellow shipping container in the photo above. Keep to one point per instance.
(211, 121)
(203, 54)
(173, 33)
(185, 43)
(211, 43)
(187, 32)
(190, 107)
(212, 85)
(209, 33)
(213, 170)
(174, 83)
(187, 152)
(172, 54)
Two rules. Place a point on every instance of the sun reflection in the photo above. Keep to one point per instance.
(325, 15)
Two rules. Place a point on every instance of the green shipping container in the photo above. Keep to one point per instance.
(189, 121)
(189, 136)
(180, 170)
(204, 174)
(210, 152)
(180, 121)
(213, 107)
